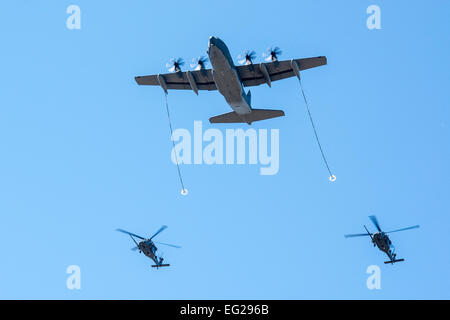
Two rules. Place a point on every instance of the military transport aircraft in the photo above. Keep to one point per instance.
(148, 247)
(381, 240)
(230, 80)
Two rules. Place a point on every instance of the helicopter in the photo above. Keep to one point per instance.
(148, 247)
(381, 240)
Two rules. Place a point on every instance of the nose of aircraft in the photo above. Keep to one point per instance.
(214, 41)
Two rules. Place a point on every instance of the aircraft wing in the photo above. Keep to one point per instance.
(202, 79)
(256, 74)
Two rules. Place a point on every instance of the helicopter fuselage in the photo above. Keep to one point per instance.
(382, 241)
(148, 248)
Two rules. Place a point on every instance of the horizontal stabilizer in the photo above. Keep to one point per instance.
(160, 266)
(394, 261)
(255, 115)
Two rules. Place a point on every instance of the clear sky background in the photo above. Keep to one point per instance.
(85, 150)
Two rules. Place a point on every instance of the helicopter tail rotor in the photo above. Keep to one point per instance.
(160, 263)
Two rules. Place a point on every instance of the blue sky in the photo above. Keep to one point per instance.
(84, 150)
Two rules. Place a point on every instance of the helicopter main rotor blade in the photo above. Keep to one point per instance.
(134, 240)
(130, 234)
(356, 235)
(158, 232)
(375, 222)
(170, 245)
(403, 229)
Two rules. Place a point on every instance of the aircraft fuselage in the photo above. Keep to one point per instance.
(226, 77)
(149, 249)
(382, 241)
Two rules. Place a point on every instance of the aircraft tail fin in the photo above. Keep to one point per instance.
(255, 115)
(394, 261)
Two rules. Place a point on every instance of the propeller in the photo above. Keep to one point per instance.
(375, 222)
(356, 235)
(174, 65)
(158, 232)
(170, 245)
(403, 229)
(247, 57)
(134, 248)
(199, 63)
(129, 233)
(272, 53)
